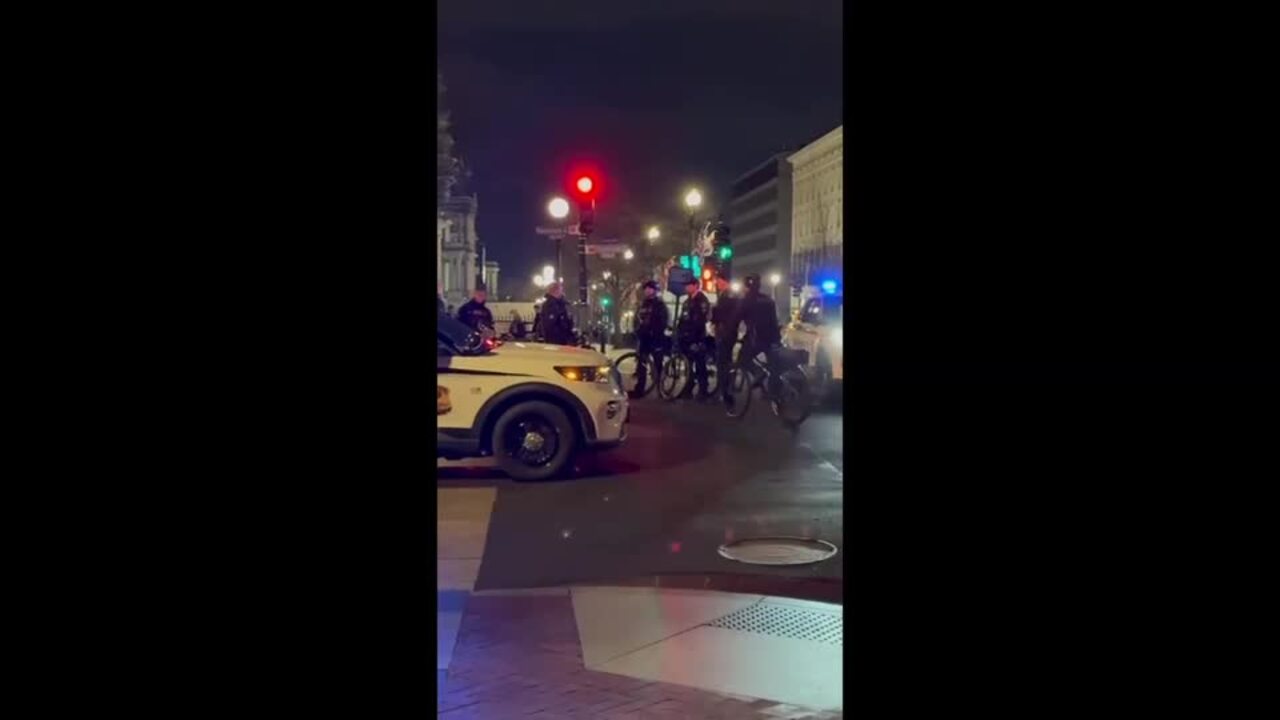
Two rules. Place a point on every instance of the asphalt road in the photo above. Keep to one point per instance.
(687, 480)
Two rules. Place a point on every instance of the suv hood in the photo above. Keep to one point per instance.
(549, 354)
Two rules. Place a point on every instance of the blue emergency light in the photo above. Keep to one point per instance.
(829, 287)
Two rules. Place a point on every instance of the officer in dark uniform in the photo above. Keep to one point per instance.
(651, 333)
(474, 314)
(692, 334)
(726, 317)
(556, 320)
(760, 318)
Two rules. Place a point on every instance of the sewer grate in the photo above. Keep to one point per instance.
(786, 621)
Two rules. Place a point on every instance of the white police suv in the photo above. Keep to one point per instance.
(531, 406)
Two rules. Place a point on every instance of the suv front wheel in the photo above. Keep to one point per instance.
(533, 441)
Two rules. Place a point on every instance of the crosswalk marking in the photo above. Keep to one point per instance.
(462, 524)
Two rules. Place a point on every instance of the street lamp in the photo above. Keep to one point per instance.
(548, 271)
(628, 254)
(607, 274)
(654, 234)
(775, 279)
(559, 208)
(693, 199)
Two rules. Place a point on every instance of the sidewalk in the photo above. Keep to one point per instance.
(616, 653)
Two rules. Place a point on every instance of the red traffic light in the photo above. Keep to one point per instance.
(585, 185)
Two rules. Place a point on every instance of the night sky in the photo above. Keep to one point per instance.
(659, 95)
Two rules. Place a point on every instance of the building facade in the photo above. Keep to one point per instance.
(817, 214)
(760, 209)
(458, 260)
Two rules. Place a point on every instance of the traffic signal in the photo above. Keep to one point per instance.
(708, 280)
(604, 302)
(722, 247)
(585, 186)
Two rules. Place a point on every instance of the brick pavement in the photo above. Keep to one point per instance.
(519, 657)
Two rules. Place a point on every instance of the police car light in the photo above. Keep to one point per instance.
(829, 287)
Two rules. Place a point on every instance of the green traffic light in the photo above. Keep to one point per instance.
(604, 302)
(726, 253)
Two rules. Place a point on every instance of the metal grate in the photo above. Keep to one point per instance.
(786, 621)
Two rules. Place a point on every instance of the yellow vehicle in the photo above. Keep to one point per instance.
(818, 328)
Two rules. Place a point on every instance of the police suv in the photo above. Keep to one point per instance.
(533, 407)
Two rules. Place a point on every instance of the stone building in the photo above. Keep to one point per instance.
(817, 211)
(458, 245)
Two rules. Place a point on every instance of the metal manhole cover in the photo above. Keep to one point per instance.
(778, 551)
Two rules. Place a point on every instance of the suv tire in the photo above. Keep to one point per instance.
(534, 440)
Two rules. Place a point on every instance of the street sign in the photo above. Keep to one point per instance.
(570, 231)
(677, 279)
(606, 250)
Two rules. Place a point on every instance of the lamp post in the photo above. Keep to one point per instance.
(558, 209)
(692, 200)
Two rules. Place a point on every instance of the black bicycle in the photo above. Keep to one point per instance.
(784, 385)
(677, 370)
(628, 365)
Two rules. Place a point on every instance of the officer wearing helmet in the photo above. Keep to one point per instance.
(651, 333)
(760, 316)
(726, 318)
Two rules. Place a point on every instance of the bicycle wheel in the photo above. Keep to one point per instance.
(675, 377)
(628, 366)
(791, 400)
(739, 392)
(713, 377)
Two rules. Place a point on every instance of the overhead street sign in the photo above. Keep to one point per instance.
(569, 231)
(606, 250)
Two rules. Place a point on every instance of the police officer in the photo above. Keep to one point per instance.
(760, 317)
(651, 333)
(556, 320)
(692, 333)
(474, 314)
(726, 317)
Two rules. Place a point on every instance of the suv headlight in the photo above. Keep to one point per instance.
(589, 373)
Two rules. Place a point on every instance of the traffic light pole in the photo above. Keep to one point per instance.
(583, 238)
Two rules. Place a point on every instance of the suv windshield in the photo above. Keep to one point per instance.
(457, 337)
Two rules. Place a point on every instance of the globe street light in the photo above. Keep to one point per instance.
(559, 208)
(607, 274)
(654, 234)
(692, 201)
(548, 271)
(775, 279)
(628, 254)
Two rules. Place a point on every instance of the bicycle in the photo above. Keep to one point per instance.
(628, 366)
(786, 388)
(677, 370)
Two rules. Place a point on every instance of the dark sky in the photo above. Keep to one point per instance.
(660, 95)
